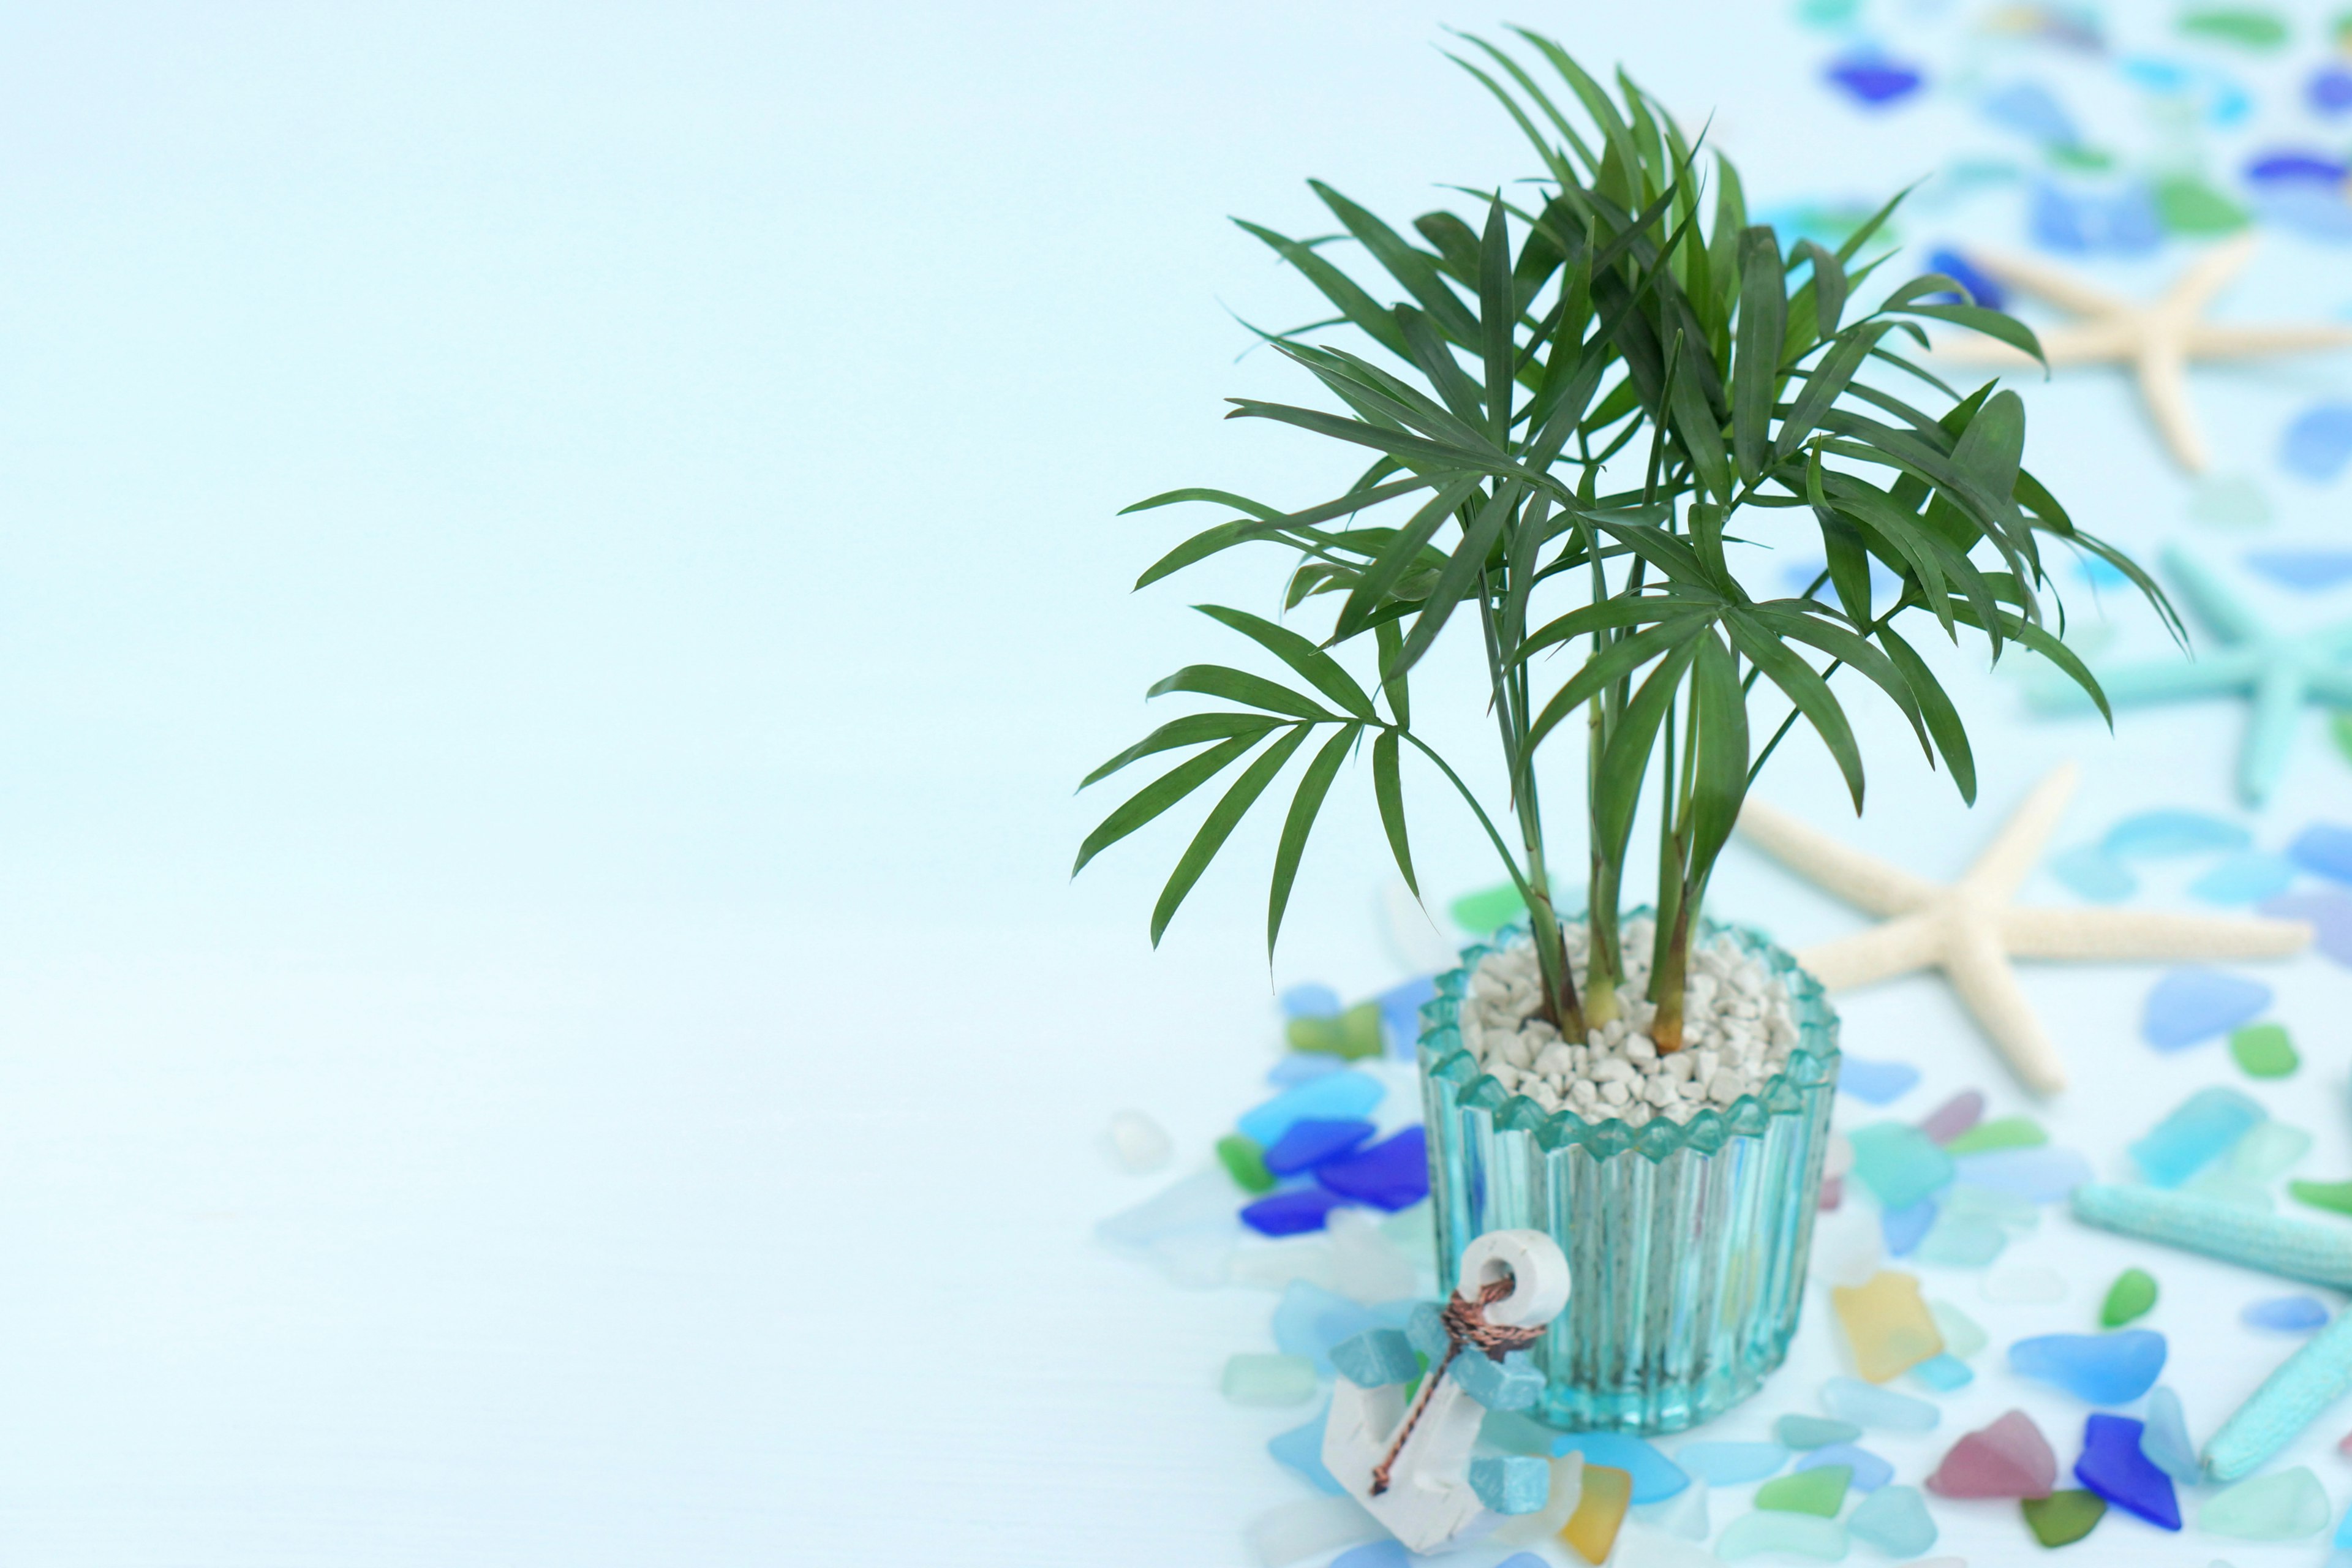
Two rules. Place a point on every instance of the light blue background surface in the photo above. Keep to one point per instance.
(556, 573)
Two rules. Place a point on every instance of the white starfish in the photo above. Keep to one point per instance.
(1970, 929)
(2157, 341)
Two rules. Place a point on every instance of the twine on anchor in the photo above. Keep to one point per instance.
(1465, 1324)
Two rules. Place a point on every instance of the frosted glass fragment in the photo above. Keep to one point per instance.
(1849, 1399)
(2287, 1314)
(1802, 1534)
(1335, 1094)
(1295, 1067)
(2164, 1438)
(2157, 835)
(1136, 1144)
(2243, 879)
(2010, 1459)
(1962, 1337)
(2027, 1283)
(2193, 1004)
(2090, 872)
(1310, 1526)
(2010, 1211)
(1592, 1528)
(2099, 1369)
(2112, 1465)
(2045, 1175)
(1375, 1554)
(1894, 1519)
(2002, 1133)
(1267, 1380)
(2263, 1050)
(1309, 1001)
(1301, 1450)
(1683, 1515)
(1866, 1472)
(1958, 1241)
(1400, 1008)
(1365, 1266)
(2324, 847)
(2205, 1127)
(1566, 1491)
(1202, 1201)
(1886, 1325)
(1817, 1491)
(1954, 1117)
(2129, 1299)
(1274, 1265)
(1805, 1433)
(1944, 1374)
(1728, 1464)
(1875, 1083)
(1899, 1163)
(2063, 1518)
(1309, 1320)
(2290, 1505)
(2268, 1150)
(1904, 1228)
(1654, 1477)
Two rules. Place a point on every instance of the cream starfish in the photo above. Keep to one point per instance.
(1971, 928)
(2157, 339)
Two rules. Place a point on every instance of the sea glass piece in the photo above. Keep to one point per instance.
(1312, 1140)
(1944, 1374)
(1818, 1491)
(2290, 1505)
(2010, 1459)
(1960, 1241)
(1245, 1161)
(1832, 1193)
(2267, 1151)
(2200, 1130)
(2328, 911)
(1894, 1519)
(2063, 1518)
(2193, 1003)
(2263, 1050)
(1799, 1534)
(1872, 78)
(1655, 1478)
(2113, 1467)
(1352, 1035)
(2000, 1132)
(1560, 1504)
(1592, 1528)
(2164, 1438)
(1136, 1144)
(1293, 1213)
(1954, 1117)
(2287, 1314)
(1488, 909)
(1684, 1516)
(2329, 92)
(2032, 1282)
(1393, 1174)
(1301, 1449)
(2028, 108)
(1375, 1554)
(1876, 1083)
(1850, 1399)
(1333, 1095)
(2246, 26)
(1904, 1228)
(2129, 1299)
(1805, 1433)
(1364, 1265)
(2157, 835)
(1400, 1006)
(2334, 1196)
(2230, 501)
(1252, 1379)
(1886, 1325)
(2088, 870)
(2190, 206)
(1962, 1337)
(2100, 1369)
(1866, 1472)
(2324, 847)
(1295, 1067)
(2309, 569)
(1309, 1001)
(1850, 1252)
(1899, 1163)
(1310, 1321)
(1728, 1464)
(2045, 1175)
(1310, 1527)
(2010, 1211)
(2243, 878)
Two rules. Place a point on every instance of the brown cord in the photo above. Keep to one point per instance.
(1466, 1323)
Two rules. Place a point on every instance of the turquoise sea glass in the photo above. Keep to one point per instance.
(1688, 1243)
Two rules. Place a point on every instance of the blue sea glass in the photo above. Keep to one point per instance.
(2287, 1314)
(1291, 1213)
(1728, 1464)
(2308, 570)
(1655, 1477)
(1870, 1471)
(1310, 1321)
(1312, 1140)
(1902, 1227)
(1301, 1448)
(2205, 1127)
(2113, 1467)
(1868, 1405)
(2045, 1174)
(1336, 1094)
(1900, 1165)
(1394, 1174)
(2164, 1438)
(1401, 1013)
(1296, 1067)
(1945, 1373)
(2244, 877)
(2093, 873)
(1894, 1519)
(1686, 1296)
(2324, 847)
(1309, 1001)
(1805, 1433)
(2100, 1369)
(1876, 1083)
(2159, 835)
(2193, 1004)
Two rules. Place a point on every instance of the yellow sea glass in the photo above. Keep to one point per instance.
(1886, 1323)
(1591, 1530)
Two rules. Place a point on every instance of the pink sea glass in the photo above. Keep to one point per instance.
(2009, 1458)
(1954, 1117)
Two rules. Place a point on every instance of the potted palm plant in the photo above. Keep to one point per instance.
(1587, 409)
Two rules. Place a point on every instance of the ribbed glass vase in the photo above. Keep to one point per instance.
(1688, 1243)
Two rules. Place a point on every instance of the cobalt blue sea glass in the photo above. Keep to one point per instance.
(1686, 1243)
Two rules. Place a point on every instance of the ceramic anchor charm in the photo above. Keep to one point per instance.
(1411, 1465)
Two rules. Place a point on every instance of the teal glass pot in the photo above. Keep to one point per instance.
(1688, 1243)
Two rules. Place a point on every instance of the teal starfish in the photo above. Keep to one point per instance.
(2279, 672)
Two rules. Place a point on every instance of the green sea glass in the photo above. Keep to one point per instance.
(1962, 1337)
(2063, 1518)
(2287, 1505)
(2129, 1299)
(1800, 1534)
(1245, 1162)
(1819, 1490)
(1268, 1380)
(2263, 1050)
(1352, 1035)
(2334, 1196)
(2000, 1132)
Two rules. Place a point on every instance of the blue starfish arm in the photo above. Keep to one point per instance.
(2221, 611)
(2269, 730)
(2333, 687)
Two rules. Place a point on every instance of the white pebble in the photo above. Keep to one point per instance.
(1614, 1092)
(1136, 1144)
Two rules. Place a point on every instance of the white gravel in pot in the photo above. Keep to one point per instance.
(1738, 1031)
